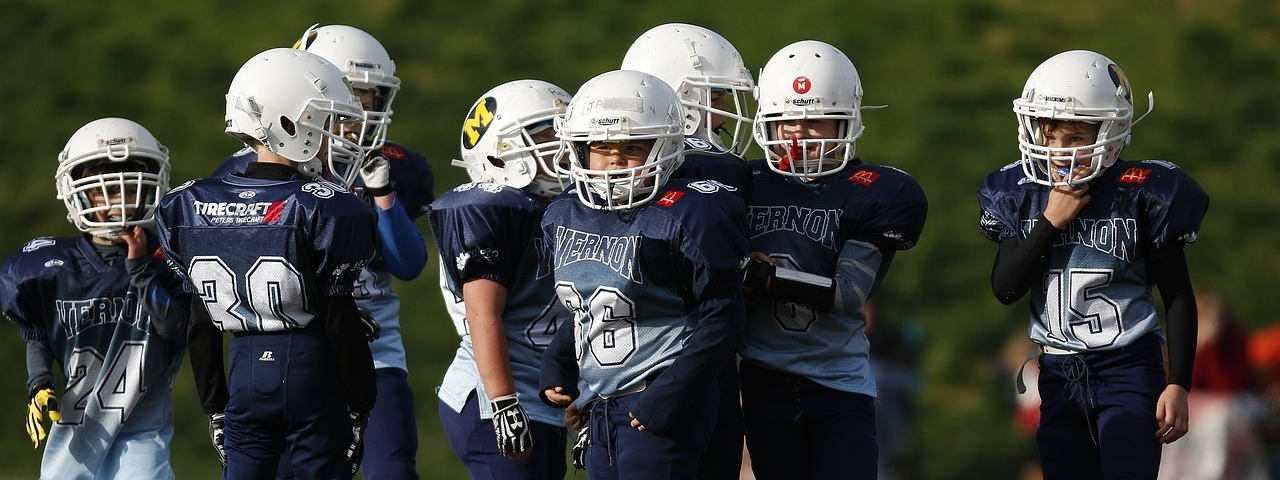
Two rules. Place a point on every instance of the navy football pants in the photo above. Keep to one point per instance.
(799, 429)
(391, 441)
(1108, 396)
(476, 444)
(284, 396)
(619, 451)
(723, 458)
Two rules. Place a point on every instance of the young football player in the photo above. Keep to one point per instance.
(708, 75)
(105, 307)
(489, 233)
(400, 184)
(1088, 236)
(824, 228)
(273, 255)
(650, 267)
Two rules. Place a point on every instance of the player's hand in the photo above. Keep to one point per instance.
(136, 239)
(371, 328)
(217, 424)
(43, 401)
(1065, 201)
(573, 417)
(511, 425)
(557, 396)
(355, 452)
(635, 423)
(376, 174)
(580, 446)
(1172, 414)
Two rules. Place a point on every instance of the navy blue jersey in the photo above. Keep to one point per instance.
(401, 248)
(846, 226)
(1096, 294)
(493, 232)
(654, 290)
(704, 161)
(119, 346)
(261, 253)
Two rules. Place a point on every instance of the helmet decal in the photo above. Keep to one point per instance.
(478, 121)
(1120, 80)
(801, 85)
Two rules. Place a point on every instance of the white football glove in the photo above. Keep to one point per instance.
(376, 174)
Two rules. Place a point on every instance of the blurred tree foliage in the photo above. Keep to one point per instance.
(947, 70)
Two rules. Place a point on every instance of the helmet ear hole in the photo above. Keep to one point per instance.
(288, 125)
(497, 162)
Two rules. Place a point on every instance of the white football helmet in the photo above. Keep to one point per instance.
(618, 106)
(367, 64)
(695, 62)
(116, 168)
(808, 80)
(497, 137)
(292, 101)
(1078, 85)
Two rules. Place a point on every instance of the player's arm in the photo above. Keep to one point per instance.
(169, 314)
(401, 243)
(558, 372)
(1020, 265)
(204, 344)
(39, 364)
(1172, 278)
(351, 351)
(485, 300)
(858, 272)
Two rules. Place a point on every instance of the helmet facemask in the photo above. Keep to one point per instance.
(623, 188)
(702, 113)
(807, 158)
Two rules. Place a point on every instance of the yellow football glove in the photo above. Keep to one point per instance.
(43, 401)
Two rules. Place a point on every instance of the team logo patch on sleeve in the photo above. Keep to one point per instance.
(865, 177)
(1135, 175)
(393, 152)
(670, 198)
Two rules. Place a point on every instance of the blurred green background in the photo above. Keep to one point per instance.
(948, 71)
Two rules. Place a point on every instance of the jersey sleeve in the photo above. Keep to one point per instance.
(996, 221)
(167, 218)
(900, 209)
(1176, 206)
(482, 231)
(17, 295)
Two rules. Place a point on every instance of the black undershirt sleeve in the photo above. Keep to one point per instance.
(1020, 265)
(351, 352)
(1174, 281)
(204, 346)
